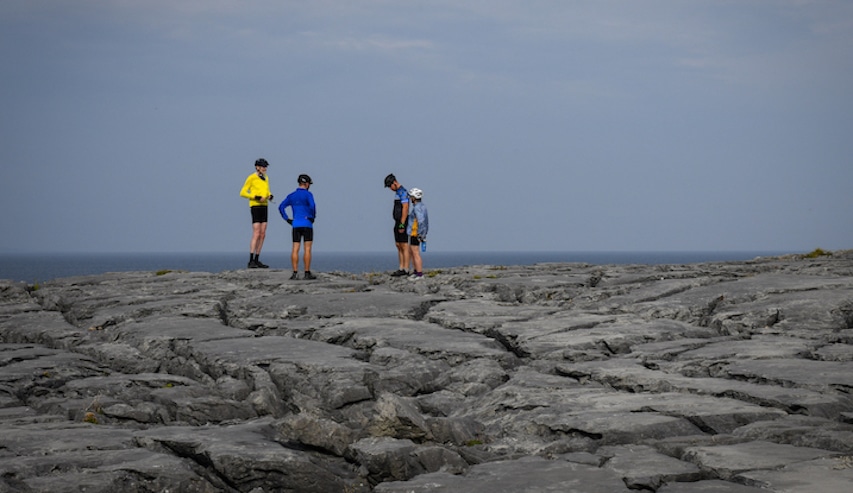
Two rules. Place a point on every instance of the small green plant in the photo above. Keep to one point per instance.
(35, 286)
(373, 277)
(817, 252)
(92, 411)
(352, 488)
(433, 273)
(844, 462)
(163, 272)
(472, 443)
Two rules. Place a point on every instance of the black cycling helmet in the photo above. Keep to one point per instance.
(262, 162)
(389, 180)
(305, 179)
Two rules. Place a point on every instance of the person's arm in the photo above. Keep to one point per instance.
(312, 207)
(423, 223)
(246, 191)
(404, 216)
(281, 210)
(254, 196)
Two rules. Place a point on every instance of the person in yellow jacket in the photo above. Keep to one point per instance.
(257, 190)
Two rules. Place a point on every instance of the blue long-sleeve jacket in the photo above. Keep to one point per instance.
(301, 203)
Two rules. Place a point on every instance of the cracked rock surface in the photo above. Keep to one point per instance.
(729, 377)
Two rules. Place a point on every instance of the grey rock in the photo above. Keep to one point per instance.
(801, 431)
(399, 417)
(528, 474)
(643, 467)
(727, 461)
(247, 454)
(315, 432)
(828, 474)
(393, 459)
(709, 486)
(716, 377)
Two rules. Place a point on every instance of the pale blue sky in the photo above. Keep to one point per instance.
(530, 125)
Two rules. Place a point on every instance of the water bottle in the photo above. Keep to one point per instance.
(423, 246)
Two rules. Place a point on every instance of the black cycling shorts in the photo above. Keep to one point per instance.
(259, 213)
(414, 241)
(400, 237)
(300, 234)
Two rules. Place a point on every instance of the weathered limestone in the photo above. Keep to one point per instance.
(709, 378)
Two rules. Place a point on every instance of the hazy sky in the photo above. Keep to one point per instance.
(628, 125)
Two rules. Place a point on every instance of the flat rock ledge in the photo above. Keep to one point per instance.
(714, 377)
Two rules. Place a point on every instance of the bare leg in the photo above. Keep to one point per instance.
(294, 257)
(306, 255)
(416, 258)
(403, 255)
(259, 231)
(262, 237)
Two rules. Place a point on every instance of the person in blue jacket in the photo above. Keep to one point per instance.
(301, 203)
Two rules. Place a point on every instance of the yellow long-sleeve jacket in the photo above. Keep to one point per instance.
(256, 186)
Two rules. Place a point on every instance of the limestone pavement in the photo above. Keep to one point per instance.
(727, 377)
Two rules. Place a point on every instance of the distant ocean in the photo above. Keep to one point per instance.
(33, 268)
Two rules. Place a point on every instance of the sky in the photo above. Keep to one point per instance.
(536, 125)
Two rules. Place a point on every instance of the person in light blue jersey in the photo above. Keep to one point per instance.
(417, 228)
(304, 210)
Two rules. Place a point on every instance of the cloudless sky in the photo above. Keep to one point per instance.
(608, 125)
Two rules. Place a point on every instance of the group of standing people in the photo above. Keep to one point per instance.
(411, 221)
(256, 188)
(411, 224)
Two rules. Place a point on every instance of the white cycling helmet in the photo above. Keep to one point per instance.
(416, 193)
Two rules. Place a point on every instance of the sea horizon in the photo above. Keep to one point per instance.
(41, 267)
